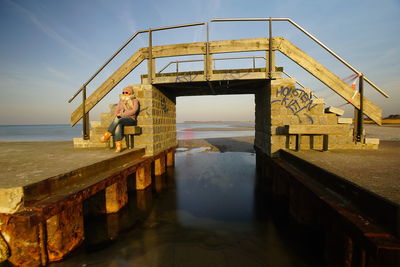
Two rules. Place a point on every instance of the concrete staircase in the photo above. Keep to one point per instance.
(291, 106)
(97, 129)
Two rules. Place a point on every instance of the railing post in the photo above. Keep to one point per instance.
(85, 116)
(207, 58)
(270, 50)
(360, 117)
(150, 63)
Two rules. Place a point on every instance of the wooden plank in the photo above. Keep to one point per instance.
(318, 129)
(233, 76)
(225, 46)
(179, 50)
(109, 84)
(243, 45)
(132, 130)
(330, 79)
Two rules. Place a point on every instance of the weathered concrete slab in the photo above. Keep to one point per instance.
(36, 168)
(365, 180)
(377, 170)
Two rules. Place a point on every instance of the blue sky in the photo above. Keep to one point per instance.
(48, 49)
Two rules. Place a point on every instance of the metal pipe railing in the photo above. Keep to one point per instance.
(106, 63)
(85, 114)
(270, 50)
(178, 26)
(124, 45)
(150, 65)
(314, 39)
(225, 58)
(284, 72)
(214, 59)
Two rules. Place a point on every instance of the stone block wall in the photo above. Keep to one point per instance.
(284, 104)
(294, 106)
(157, 118)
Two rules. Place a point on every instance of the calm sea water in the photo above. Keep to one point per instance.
(63, 132)
(207, 211)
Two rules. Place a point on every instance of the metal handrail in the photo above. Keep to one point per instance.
(106, 63)
(202, 60)
(85, 115)
(287, 74)
(225, 58)
(150, 57)
(314, 39)
(123, 46)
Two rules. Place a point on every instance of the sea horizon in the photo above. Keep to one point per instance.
(184, 122)
(65, 132)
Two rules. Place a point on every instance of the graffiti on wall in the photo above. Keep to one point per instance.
(186, 78)
(234, 76)
(294, 99)
(163, 105)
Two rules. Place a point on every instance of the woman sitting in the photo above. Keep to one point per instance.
(125, 115)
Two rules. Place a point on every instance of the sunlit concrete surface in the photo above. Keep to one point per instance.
(26, 166)
(377, 171)
(23, 163)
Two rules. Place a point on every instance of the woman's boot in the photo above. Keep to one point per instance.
(118, 145)
(105, 137)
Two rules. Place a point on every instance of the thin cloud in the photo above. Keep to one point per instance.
(58, 73)
(211, 10)
(46, 29)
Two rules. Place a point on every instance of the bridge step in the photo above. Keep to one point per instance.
(345, 120)
(329, 79)
(334, 110)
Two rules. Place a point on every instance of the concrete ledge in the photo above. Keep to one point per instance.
(316, 129)
(345, 120)
(51, 224)
(132, 130)
(334, 110)
(15, 198)
(347, 231)
(11, 199)
(384, 212)
(372, 141)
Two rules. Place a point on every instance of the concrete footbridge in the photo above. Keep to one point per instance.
(45, 208)
(284, 112)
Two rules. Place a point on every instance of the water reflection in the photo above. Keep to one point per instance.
(215, 187)
(206, 211)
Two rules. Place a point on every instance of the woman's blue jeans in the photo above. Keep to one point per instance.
(117, 127)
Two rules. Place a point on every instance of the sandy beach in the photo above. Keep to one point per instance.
(245, 143)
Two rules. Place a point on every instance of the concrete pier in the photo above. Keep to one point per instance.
(332, 192)
(48, 221)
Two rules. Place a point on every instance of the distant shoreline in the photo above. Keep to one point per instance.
(217, 122)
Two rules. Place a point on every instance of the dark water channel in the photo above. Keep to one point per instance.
(207, 211)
